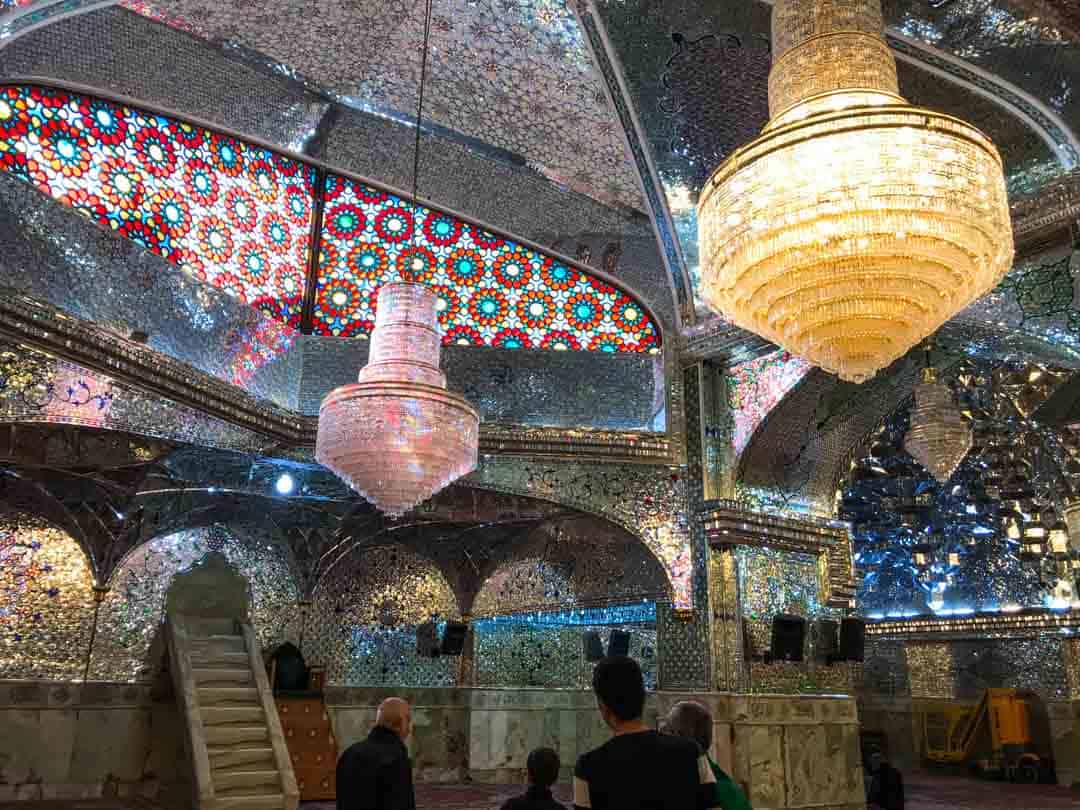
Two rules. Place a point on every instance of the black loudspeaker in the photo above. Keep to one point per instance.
(594, 647)
(618, 643)
(852, 639)
(453, 638)
(826, 642)
(788, 633)
(427, 640)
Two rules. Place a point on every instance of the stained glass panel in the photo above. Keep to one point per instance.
(239, 217)
(492, 291)
(229, 213)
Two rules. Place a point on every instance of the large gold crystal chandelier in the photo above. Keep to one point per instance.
(939, 437)
(397, 436)
(856, 224)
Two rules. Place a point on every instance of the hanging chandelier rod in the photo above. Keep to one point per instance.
(420, 100)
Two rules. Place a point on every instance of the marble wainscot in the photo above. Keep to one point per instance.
(71, 740)
(90, 740)
(787, 751)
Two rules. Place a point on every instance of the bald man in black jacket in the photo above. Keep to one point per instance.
(376, 774)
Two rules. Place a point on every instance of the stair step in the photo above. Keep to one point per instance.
(219, 736)
(250, 783)
(221, 677)
(220, 660)
(242, 758)
(199, 627)
(230, 643)
(214, 696)
(256, 802)
(223, 715)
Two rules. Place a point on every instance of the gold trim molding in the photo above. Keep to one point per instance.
(729, 523)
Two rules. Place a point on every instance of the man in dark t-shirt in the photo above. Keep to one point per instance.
(638, 768)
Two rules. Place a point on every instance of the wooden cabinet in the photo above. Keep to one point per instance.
(312, 748)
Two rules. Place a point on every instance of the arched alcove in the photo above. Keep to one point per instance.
(363, 619)
(126, 646)
(532, 614)
(46, 600)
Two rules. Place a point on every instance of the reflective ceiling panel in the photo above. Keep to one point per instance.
(514, 75)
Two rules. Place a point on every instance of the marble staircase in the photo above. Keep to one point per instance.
(234, 738)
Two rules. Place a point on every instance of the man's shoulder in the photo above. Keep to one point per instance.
(684, 745)
(649, 743)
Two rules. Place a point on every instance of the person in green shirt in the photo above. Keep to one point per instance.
(690, 719)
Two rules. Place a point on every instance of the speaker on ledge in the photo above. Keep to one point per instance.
(427, 640)
(453, 638)
(788, 634)
(594, 647)
(618, 643)
(852, 639)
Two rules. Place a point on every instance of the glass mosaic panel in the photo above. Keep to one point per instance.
(55, 256)
(1036, 664)
(885, 668)
(129, 644)
(224, 211)
(649, 502)
(46, 601)
(771, 582)
(36, 387)
(518, 651)
(363, 619)
(521, 387)
(523, 585)
(756, 386)
(728, 659)
(1071, 652)
(492, 291)
(932, 670)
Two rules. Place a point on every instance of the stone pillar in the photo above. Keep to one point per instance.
(683, 639)
(729, 661)
(466, 674)
(1065, 720)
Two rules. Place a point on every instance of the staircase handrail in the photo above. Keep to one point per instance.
(273, 722)
(179, 641)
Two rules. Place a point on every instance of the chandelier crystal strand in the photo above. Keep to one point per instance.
(856, 224)
(397, 436)
(939, 437)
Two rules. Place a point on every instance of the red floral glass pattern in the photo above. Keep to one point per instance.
(236, 215)
(239, 217)
(491, 290)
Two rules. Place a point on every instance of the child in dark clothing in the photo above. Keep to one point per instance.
(543, 767)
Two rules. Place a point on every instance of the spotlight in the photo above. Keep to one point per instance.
(285, 484)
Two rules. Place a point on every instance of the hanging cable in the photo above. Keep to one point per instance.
(420, 101)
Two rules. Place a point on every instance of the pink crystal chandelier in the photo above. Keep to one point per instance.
(397, 436)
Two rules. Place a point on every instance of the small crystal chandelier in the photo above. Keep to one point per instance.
(397, 436)
(856, 224)
(939, 437)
